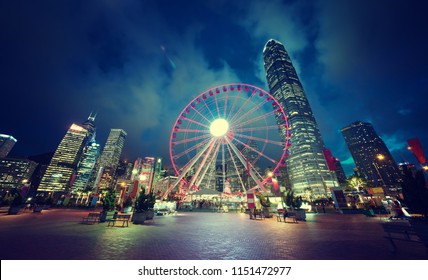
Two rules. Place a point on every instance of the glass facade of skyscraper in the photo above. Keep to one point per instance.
(64, 161)
(306, 165)
(6, 144)
(109, 161)
(113, 148)
(86, 167)
(15, 172)
(371, 156)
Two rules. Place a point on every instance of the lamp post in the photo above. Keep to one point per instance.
(380, 157)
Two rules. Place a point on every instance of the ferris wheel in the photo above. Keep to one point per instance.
(229, 136)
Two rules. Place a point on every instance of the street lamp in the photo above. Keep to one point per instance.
(379, 157)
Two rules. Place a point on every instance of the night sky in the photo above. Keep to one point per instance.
(138, 63)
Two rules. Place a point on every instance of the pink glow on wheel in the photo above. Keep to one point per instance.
(191, 131)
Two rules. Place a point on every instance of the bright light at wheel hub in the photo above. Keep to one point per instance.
(219, 127)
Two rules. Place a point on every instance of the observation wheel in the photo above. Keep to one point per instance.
(229, 138)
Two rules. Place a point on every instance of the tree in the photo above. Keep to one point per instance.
(291, 201)
(145, 201)
(109, 200)
(355, 182)
(415, 192)
(265, 202)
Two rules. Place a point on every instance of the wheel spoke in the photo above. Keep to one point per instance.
(246, 164)
(199, 113)
(261, 117)
(187, 140)
(194, 147)
(196, 122)
(236, 168)
(256, 128)
(242, 107)
(256, 151)
(255, 108)
(263, 140)
(209, 164)
(193, 130)
(234, 103)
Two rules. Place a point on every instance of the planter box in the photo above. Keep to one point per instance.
(13, 210)
(139, 218)
(421, 229)
(38, 208)
(300, 214)
(105, 215)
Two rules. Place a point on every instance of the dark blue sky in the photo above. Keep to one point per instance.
(138, 63)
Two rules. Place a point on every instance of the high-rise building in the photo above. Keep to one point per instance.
(340, 173)
(89, 125)
(109, 161)
(86, 168)
(6, 144)
(157, 171)
(14, 173)
(306, 165)
(371, 156)
(90, 155)
(64, 161)
(113, 148)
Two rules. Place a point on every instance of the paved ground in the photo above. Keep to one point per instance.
(58, 234)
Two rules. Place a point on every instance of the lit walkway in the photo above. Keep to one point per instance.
(57, 234)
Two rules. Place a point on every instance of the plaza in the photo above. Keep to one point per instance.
(58, 234)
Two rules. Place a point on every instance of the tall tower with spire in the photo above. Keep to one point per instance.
(90, 155)
(306, 165)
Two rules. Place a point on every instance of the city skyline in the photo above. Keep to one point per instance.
(136, 64)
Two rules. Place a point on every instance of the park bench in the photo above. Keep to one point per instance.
(290, 216)
(92, 218)
(124, 218)
(258, 214)
(399, 231)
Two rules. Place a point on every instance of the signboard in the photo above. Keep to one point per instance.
(377, 190)
(250, 201)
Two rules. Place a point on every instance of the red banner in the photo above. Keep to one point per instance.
(329, 159)
(135, 190)
(416, 148)
(250, 201)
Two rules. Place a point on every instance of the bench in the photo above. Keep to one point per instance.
(92, 218)
(124, 218)
(399, 231)
(258, 213)
(290, 216)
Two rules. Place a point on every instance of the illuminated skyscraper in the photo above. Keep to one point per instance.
(89, 158)
(113, 149)
(89, 125)
(15, 172)
(6, 144)
(86, 167)
(306, 165)
(109, 160)
(371, 156)
(64, 161)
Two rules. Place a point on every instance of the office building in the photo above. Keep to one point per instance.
(14, 173)
(64, 162)
(306, 166)
(371, 156)
(6, 144)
